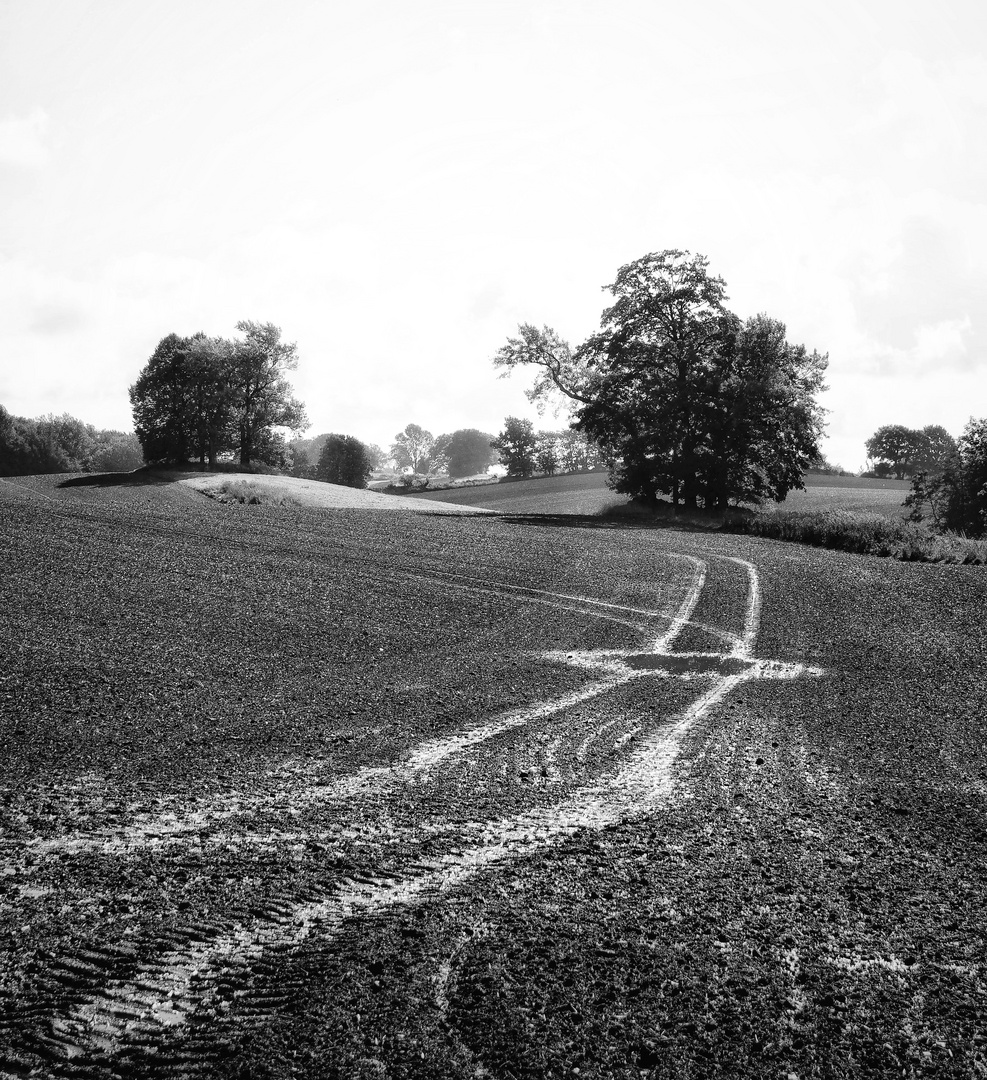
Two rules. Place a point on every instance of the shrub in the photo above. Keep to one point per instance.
(863, 534)
(412, 481)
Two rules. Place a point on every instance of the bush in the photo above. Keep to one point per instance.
(412, 481)
(863, 534)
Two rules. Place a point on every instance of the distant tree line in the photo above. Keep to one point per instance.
(683, 398)
(464, 452)
(903, 451)
(200, 397)
(63, 444)
(524, 451)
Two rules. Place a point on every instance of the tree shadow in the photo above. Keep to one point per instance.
(137, 478)
(592, 521)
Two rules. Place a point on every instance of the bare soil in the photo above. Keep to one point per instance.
(305, 793)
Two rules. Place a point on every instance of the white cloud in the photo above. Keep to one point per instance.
(23, 140)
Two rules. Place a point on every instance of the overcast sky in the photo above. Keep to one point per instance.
(397, 185)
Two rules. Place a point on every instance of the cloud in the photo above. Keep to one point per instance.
(23, 140)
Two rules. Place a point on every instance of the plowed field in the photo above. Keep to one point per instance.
(288, 792)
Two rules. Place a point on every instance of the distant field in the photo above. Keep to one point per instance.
(587, 493)
(847, 493)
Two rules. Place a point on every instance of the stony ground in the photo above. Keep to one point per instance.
(288, 792)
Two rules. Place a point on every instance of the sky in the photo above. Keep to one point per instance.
(398, 186)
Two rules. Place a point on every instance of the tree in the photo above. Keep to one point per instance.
(576, 453)
(412, 449)
(344, 460)
(956, 496)
(681, 396)
(897, 446)
(117, 452)
(378, 459)
(936, 448)
(260, 396)
(181, 400)
(200, 396)
(516, 444)
(301, 464)
(546, 452)
(466, 451)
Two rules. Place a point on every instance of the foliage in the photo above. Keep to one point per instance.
(344, 460)
(198, 397)
(249, 493)
(378, 458)
(413, 449)
(546, 454)
(956, 496)
(260, 396)
(903, 451)
(864, 534)
(516, 445)
(181, 402)
(413, 481)
(682, 397)
(54, 444)
(117, 451)
(302, 465)
(465, 452)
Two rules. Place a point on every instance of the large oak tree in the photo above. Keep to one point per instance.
(685, 399)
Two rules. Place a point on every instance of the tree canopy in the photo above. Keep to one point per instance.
(54, 444)
(682, 396)
(956, 492)
(465, 452)
(517, 444)
(413, 448)
(199, 396)
(904, 451)
(344, 460)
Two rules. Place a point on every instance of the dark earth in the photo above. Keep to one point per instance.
(296, 793)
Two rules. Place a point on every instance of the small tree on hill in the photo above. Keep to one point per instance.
(344, 460)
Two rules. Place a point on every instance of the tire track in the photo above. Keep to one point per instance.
(172, 823)
(116, 1011)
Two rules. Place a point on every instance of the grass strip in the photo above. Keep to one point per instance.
(862, 534)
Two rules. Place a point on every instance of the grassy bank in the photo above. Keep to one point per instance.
(862, 533)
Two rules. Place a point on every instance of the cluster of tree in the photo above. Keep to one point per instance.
(955, 492)
(905, 451)
(682, 397)
(524, 451)
(200, 397)
(54, 444)
(465, 452)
